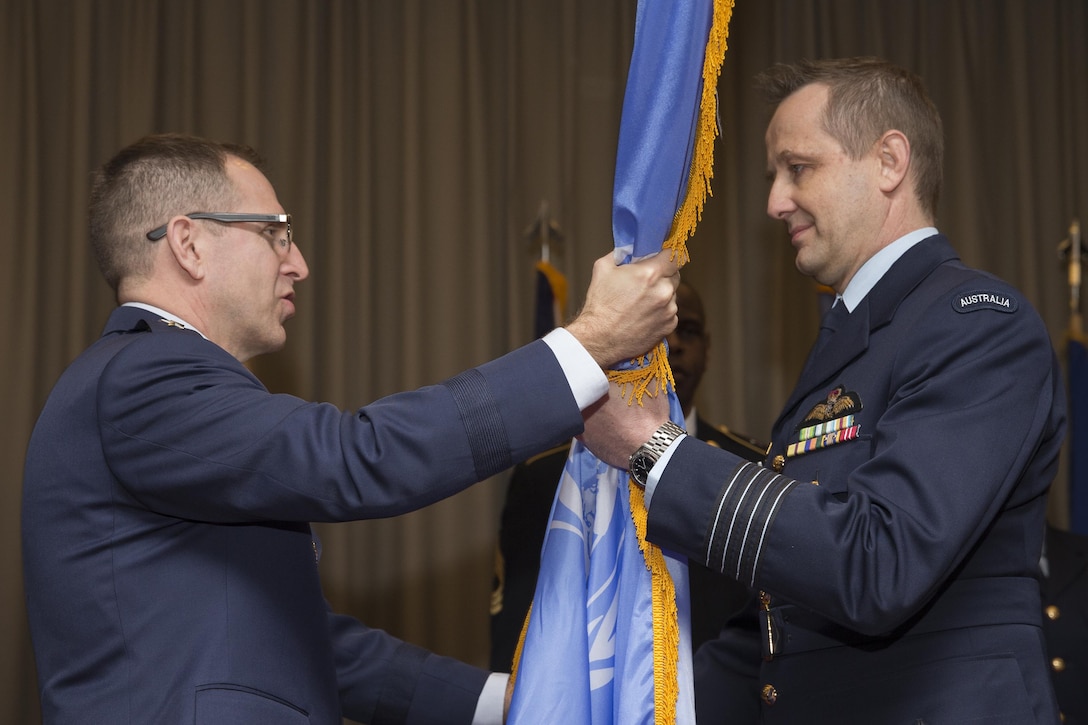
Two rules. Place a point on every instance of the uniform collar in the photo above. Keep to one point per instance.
(167, 317)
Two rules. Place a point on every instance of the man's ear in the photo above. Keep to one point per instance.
(184, 238)
(894, 154)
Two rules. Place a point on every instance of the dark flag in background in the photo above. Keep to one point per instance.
(1071, 250)
(1078, 436)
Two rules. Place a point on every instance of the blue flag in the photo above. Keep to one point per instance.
(1078, 437)
(606, 641)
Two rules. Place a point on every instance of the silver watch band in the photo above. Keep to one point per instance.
(648, 453)
(663, 437)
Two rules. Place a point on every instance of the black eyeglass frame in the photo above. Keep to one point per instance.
(229, 217)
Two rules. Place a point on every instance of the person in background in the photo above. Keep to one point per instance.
(895, 528)
(532, 487)
(171, 574)
(1065, 620)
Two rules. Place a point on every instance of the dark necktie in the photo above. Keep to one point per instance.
(833, 319)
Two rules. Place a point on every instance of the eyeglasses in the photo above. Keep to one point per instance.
(282, 245)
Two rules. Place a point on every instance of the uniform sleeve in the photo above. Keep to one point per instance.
(385, 681)
(189, 432)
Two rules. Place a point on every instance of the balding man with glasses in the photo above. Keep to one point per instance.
(171, 574)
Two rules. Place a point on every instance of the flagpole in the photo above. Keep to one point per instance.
(544, 230)
(545, 218)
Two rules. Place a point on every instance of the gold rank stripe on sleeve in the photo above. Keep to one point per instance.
(745, 509)
(822, 441)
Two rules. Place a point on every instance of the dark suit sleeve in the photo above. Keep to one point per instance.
(178, 416)
(385, 681)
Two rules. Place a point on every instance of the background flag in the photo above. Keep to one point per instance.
(606, 640)
(551, 285)
(1072, 251)
(551, 298)
(1078, 436)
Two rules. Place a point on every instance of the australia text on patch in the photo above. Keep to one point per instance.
(982, 297)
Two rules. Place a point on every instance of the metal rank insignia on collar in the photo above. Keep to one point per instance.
(173, 323)
(829, 422)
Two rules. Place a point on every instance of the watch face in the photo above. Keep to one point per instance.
(640, 467)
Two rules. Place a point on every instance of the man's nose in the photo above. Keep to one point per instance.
(296, 264)
(779, 202)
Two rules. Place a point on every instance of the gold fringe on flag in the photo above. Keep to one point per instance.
(520, 645)
(655, 366)
(639, 381)
(690, 212)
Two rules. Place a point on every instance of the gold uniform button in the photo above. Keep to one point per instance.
(769, 694)
(1052, 612)
(778, 463)
(1058, 664)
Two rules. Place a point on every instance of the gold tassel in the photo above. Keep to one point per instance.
(638, 381)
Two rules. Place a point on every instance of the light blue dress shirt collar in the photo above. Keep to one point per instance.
(873, 270)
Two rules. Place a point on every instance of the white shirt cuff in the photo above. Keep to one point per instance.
(658, 469)
(586, 379)
(492, 698)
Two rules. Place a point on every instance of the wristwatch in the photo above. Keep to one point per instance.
(646, 456)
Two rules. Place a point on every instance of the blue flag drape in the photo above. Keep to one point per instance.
(1078, 437)
(606, 640)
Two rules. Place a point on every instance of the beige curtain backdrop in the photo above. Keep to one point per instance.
(414, 140)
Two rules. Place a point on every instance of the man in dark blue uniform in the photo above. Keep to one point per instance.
(896, 525)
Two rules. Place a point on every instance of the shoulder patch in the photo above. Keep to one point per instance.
(985, 300)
